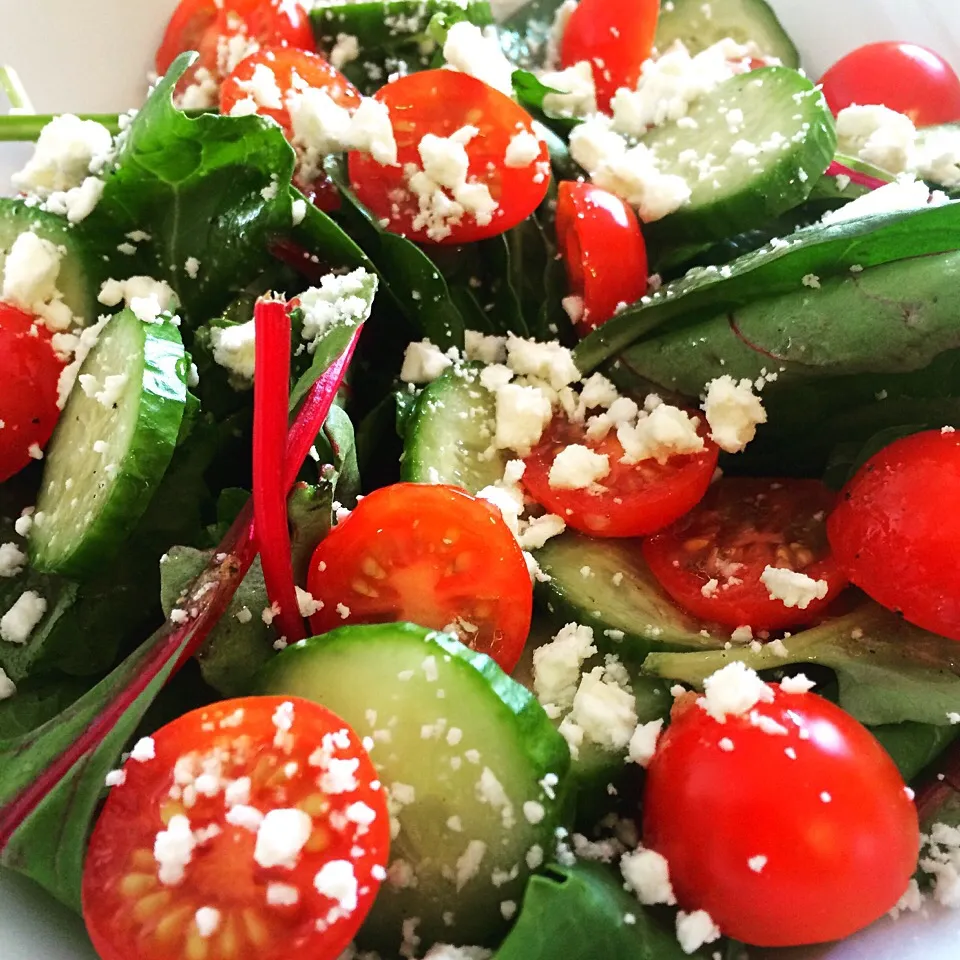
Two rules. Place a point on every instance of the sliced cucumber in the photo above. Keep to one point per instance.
(701, 24)
(450, 434)
(75, 280)
(111, 447)
(448, 730)
(742, 174)
(605, 584)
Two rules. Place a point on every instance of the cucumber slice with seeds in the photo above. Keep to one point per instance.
(76, 265)
(750, 151)
(450, 434)
(701, 24)
(111, 447)
(475, 770)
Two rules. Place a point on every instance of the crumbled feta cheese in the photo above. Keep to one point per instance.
(733, 691)
(664, 432)
(522, 150)
(7, 687)
(469, 51)
(423, 362)
(647, 874)
(797, 684)
(695, 929)
(757, 863)
(483, 348)
(143, 750)
(539, 530)
(173, 850)
(550, 362)
(345, 50)
(77, 203)
(146, 297)
(282, 895)
(876, 135)
(68, 150)
(372, 132)
(12, 559)
(490, 791)
(298, 211)
(643, 743)
(905, 193)
(234, 349)
(337, 881)
(281, 836)
(522, 415)
(468, 863)
(340, 299)
(576, 93)
(557, 665)
(191, 267)
(19, 621)
(307, 604)
(262, 87)
(733, 413)
(577, 467)
(792, 588)
(207, 920)
(598, 391)
(30, 272)
(604, 711)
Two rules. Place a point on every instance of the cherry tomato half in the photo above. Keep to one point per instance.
(633, 499)
(254, 827)
(207, 26)
(603, 250)
(442, 103)
(30, 371)
(795, 832)
(902, 76)
(712, 559)
(432, 555)
(615, 37)
(893, 531)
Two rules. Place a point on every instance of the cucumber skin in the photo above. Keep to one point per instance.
(544, 748)
(163, 397)
(768, 195)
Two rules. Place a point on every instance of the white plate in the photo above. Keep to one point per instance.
(93, 55)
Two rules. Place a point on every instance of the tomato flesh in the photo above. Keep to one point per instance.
(444, 103)
(712, 559)
(902, 76)
(428, 554)
(615, 38)
(30, 371)
(256, 757)
(634, 499)
(893, 530)
(603, 250)
(800, 835)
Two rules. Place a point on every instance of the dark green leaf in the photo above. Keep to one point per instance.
(578, 912)
(914, 746)
(530, 92)
(847, 458)
(310, 509)
(337, 447)
(889, 671)
(36, 702)
(214, 188)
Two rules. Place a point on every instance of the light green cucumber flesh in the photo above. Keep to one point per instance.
(109, 454)
(701, 24)
(443, 721)
(75, 279)
(450, 434)
(605, 584)
(790, 140)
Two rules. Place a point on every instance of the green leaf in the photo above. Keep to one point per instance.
(36, 702)
(214, 188)
(409, 276)
(847, 458)
(310, 510)
(530, 92)
(889, 671)
(914, 746)
(578, 912)
(337, 447)
(823, 251)
(237, 646)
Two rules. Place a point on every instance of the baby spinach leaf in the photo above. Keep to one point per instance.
(213, 188)
(337, 448)
(36, 702)
(578, 913)
(530, 92)
(914, 746)
(310, 510)
(889, 671)
(822, 251)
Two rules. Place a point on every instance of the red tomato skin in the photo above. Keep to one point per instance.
(836, 824)
(603, 250)
(893, 531)
(905, 77)
(30, 371)
(441, 102)
(616, 37)
(444, 554)
(191, 27)
(231, 881)
(747, 604)
(640, 498)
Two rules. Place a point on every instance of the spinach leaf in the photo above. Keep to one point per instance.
(889, 671)
(36, 702)
(530, 93)
(577, 913)
(213, 188)
(310, 510)
(847, 458)
(821, 251)
(914, 746)
(337, 448)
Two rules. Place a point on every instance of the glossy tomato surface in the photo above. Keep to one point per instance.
(30, 372)
(893, 530)
(711, 560)
(634, 499)
(789, 825)
(432, 555)
(442, 104)
(603, 251)
(902, 76)
(251, 828)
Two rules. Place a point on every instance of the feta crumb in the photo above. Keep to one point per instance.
(67, 151)
(281, 837)
(307, 604)
(524, 148)
(577, 467)
(282, 895)
(522, 414)
(576, 93)
(733, 690)
(659, 434)
(557, 665)
(905, 193)
(798, 684)
(146, 297)
(7, 687)
(486, 349)
(143, 750)
(234, 349)
(604, 711)
(733, 413)
(647, 874)
(643, 743)
(344, 51)
(337, 881)
(877, 135)
(12, 559)
(207, 920)
(191, 267)
(550, 362)
(695, 929)
(173, 850)
(757, 863)
(792, 588)
(19, 621)
(468, 863)
(423, 362)
(469, 51)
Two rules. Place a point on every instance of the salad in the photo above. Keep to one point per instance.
(479, 482)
